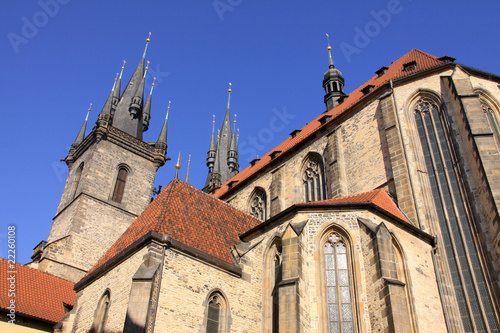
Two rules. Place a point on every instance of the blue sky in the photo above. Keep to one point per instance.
(60, 55)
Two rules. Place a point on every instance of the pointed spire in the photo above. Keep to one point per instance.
(109, 102)
(117, 90)
(128, 114)
(146, 114)
(163, 133)
(232, 157)
(81, 134)
(187, 173)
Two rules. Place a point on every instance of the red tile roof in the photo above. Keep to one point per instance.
(190, 217)
(395, 71)
(37, 294)
(378, 197)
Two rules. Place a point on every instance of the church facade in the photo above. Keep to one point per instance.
(381, 214)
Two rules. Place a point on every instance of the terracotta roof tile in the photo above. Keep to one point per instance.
(37, 294)
(378, 197)
(395, 71)
(191, 217)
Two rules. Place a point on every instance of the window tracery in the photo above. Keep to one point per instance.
(258, 204)
(338, 285)
(453, 218)
(314, 179)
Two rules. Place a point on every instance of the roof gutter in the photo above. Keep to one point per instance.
(269, 224)
(329, 123)
(167, 242)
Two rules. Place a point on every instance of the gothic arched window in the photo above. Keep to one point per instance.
(121, 179)
(493, 118)
(78, 176)
(272, 278)
(314, 178)
(101, 313)
(476, 310)
(258, 204)
(338, 285)
(216, 314)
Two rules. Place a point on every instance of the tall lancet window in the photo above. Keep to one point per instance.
(217, 314)
(272, 279)
(101, 313)
(475, 306)
(338, 285)
(258, 204)
(493, 119)
(314, 178)
(275, 293)
(121, 179)
(78, 176)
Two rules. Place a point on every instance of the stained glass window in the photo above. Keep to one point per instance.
(338, 289)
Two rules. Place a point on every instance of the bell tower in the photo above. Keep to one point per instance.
(111, 176)
(333, 82)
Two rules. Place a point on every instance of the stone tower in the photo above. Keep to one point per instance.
(111, 177)
(222, 158)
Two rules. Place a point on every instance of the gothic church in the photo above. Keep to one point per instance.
(381, 214)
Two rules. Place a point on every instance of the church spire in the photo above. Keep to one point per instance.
(117, 90)
(212, 150)
(163, 133)
(107, 106)
(232, 156)
(128, 114)
(81, 134)
(222, 164)
(333, 82)
(146, 115)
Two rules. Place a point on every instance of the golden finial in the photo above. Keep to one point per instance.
(116, 77)
(332, 65)
(238, 136)
(152, 86)
(146, 69)
(177, 166)
(88, 111)
(213, 121)
(218, 134)
(230, 84)
(147, 42)
(168, 109)
(234, 122)
(123, 67)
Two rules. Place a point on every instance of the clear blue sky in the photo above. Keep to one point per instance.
(56, 59)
